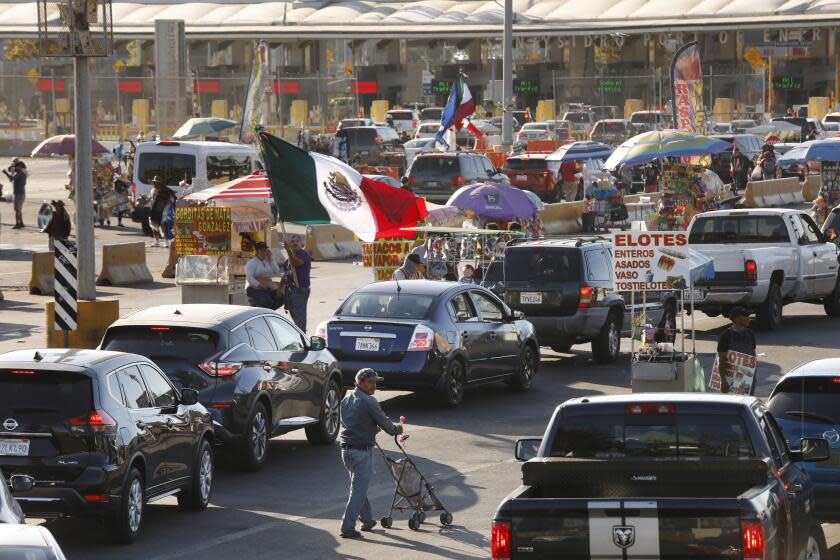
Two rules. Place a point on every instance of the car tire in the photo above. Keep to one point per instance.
(254, 446)
(815, 546)
(769, 313)
(326, 430)
(528, 363)
(124, 525)
(196, 497)
(607, 345)
(453, 388)
(831, 303)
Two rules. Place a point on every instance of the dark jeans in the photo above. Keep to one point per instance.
(296, 304)
(269, 299)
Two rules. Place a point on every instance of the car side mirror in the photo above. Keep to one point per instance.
(812, 449)
(317, 343)
(803, 240)
(189, 397)
(517, 315)
(404, 180)
(21, 483)
(528, 448)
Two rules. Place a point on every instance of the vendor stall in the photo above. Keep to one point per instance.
(683, 196)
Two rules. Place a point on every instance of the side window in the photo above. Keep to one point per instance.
(223, 168)
(461, 309)
(597, 268)
(811, 230)
(114, 388)
(778, 437)
(162, 392)
(468, 170)
(490, 311)
(133, 388)
(762, 417)
(488, 166)
(798, 229)
(238, 336)
(261, 338)
(288, 339)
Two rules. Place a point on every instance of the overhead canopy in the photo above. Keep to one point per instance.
(254, 187)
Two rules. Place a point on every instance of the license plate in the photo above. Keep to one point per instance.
(521, 177)
(693, 295)
(531, 298)
(18, 447)
(432, 184)
(367, 344)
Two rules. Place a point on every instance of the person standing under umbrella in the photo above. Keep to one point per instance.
(18, 179)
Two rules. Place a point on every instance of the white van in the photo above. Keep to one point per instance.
(203, 164)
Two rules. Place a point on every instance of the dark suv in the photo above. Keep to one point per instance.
(436, 176)
(374, 145)
(102, 433)
(259, 375)
(564, 288)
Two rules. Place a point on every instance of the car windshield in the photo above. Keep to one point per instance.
(738, 229)
(542, 266)
(171, 167)
(576, 117)
(515, 163)
(56, 394)
(681, 435)
(21, 552)
(388, 306)
(809, 399)
(160, 342)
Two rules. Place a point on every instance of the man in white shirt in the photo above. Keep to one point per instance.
(261, 290)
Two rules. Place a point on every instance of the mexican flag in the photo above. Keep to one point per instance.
(311, 188)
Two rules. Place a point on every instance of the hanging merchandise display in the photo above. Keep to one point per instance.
(683, 196)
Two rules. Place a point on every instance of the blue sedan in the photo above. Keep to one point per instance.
(432, 335)
(804, 404)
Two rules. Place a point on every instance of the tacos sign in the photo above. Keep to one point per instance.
(650, 261)
(202, 230)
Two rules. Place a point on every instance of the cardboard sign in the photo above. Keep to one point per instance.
(202, 230)
(385, 256)
(649, 261)
(740, 376)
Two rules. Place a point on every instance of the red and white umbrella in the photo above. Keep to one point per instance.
(254, 187)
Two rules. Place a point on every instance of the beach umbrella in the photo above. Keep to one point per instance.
(813, 150)
(206, 126)
(649, 146)
(495, 201)
(580, 151)
(65, 145)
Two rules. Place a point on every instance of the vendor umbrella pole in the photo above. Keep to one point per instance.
(682, 319)
(291, 264)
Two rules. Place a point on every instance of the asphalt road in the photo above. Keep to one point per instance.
(291, 509)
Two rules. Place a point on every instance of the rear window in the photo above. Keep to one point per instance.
(389, 306)
(681, 435)
(576, 117)
(610, 128)
(431, 114)
(435, 166)
(171, 167)
(425, 128)
(359, 136)
(542, 266)
(535, 126)
(401, 115)
(352, 122)
(158, 343)
(513, 163)
(817, 397)
(832, 118)
(645, 118)
(739, 229)
(222, 168)
(56, 394)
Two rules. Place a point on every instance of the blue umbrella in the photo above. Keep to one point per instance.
(649, 146)
(203, 127)
(814, 150)
(493, 200)
(580, 151)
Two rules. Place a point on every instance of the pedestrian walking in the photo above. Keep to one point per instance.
(18, 179)
(297, 297)
(740, 338)
(740, 170)
(59, 225)
(260, 288)
(361, 419)
(161, 197)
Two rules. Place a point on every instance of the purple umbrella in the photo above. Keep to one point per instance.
(65, 145)
(494, 200)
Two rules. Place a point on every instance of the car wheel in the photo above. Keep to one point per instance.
(815, 546)
(255, 440)
(196, 496)
(831, 303)
(453, 391)
(607, 345)
(124, 525)
(528, 363)
(769, 313)
(326, 430)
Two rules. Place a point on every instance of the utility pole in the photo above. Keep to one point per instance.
(84, 177)
(507, 78)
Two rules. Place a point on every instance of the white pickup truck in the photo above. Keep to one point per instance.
(764, 259)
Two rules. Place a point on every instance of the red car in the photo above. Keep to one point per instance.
(530, 172)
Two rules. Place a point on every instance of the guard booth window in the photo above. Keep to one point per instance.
(224, 168)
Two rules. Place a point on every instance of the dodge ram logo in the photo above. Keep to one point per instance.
(10, 424)
(624, 536)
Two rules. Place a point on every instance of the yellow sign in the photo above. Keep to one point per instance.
(754, 58)
(119, 66)
(348, 69)
(33, 76)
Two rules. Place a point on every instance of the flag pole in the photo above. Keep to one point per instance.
(291, 264)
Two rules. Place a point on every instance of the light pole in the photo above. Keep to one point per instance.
(507, 78)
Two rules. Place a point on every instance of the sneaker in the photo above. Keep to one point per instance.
(155, 244)
(354, 534)
(368, 527)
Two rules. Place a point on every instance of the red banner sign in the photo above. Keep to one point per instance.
(130, 86)
(45, 84)
(363, 87)
(286, 87)
(205, 86)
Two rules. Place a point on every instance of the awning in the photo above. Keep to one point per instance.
(254, 187)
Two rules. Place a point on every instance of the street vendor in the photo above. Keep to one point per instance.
(260, 288)
(738, 338)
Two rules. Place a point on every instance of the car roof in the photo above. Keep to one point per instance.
(828, 367)
(194, 143)
(195, 314)
(526, 157)
(447, 154)
(23, 535)
(413, 287)
(64, 359)
(704, 399)
(749, 212)
(573, 242)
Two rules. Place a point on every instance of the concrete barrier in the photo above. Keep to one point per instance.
(541, 146)
(773, 192)
(124, 263)
(331, 242)
(562, 217)
(93, 317)
(42, 281)
(811, 187)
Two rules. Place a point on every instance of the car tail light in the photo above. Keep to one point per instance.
(456, 180)
(133, 188)
(650, 409)
(22, 372)
(93, 421)
(750, 271)
(159, 329)
(214, 368)
(413, 123)
(422, 339)
(752, 535)
(168, 143)
(101, 498)
(500, 540)
(585, 297)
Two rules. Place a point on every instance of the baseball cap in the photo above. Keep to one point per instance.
(367, 374)
(738, 311)
(260, 245)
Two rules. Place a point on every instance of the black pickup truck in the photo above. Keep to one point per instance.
(661, 476)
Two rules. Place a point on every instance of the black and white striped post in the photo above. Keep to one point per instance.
(66, 287)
